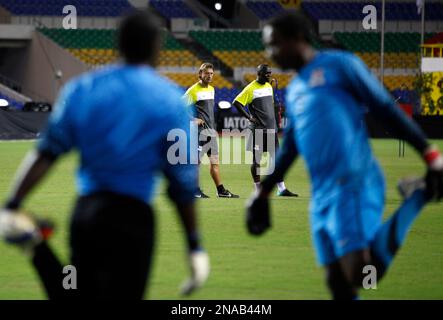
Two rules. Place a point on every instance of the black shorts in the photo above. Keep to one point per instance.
(262, 140)
(112, 239)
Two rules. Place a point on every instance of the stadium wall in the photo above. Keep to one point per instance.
(431, 125)
(245, 18)
(5, 16)
(57, 21)
(34, 67)
(21, 125)
(328, 27)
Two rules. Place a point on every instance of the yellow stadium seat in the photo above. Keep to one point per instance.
(395, 82)
(282, 78)
(188, 79)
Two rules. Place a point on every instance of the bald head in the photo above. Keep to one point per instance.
(264, 73)
(263, 68)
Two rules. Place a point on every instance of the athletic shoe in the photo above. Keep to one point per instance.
(407, 186)
(201, 195)
(226, 194)
(286, 193)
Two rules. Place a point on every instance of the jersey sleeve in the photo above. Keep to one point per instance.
(367, 89)
(244, 97)
(58, 136)
(190, 97)
(363, 84)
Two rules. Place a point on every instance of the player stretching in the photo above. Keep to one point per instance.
(326, 105)
(201, 95)
(259, 97)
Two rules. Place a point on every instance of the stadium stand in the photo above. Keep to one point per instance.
(370, 41)
(327, 10)
(234, 48)
(186, 80)
(173, 9)
(240, 49)
(395, 82)
(96, 8)
(282, 78)
(264, 9)
(401, 49)
(97, 47)
(402, 55)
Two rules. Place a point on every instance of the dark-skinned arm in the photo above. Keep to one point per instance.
(242, 110)
(33, 169)
(286, 155)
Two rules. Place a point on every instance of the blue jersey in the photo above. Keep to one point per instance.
(326, 104)
(118, 119)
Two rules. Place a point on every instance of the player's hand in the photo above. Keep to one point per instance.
(19, 228)
(434, 174)
(200, 268)
(23, 229)
(253, 120)
(199, 122)
(258, 214)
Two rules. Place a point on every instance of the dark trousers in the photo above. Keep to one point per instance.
(259, 145)
(111, 241)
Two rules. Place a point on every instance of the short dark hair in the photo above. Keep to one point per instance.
(293, 24)
(262, 68)
(137, 36)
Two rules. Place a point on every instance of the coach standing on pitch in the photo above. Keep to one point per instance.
(202, 95)
(118, 119)
(259, 97)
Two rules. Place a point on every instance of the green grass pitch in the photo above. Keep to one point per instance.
(279, 265)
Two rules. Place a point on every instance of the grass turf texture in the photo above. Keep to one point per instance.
(279, 265)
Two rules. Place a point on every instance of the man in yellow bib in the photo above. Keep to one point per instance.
(259, 97)
(201, 95)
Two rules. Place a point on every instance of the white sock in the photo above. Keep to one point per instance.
(257, 186)
(281, 186)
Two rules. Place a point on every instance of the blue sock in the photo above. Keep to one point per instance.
(391, 235)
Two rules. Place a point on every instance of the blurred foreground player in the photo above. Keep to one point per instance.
(259, 97)
(202, 95)
(118, 119)
(326, 105)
